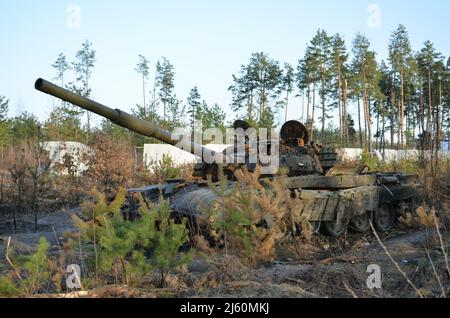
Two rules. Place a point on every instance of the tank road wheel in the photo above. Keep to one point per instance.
(332, 228)
(315, 225)
(361, 223)
(384, 218)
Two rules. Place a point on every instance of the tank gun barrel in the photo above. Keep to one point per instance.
(117, 116)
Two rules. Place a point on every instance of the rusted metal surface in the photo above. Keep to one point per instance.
(348, 170)
(325, 205)
(326, 182)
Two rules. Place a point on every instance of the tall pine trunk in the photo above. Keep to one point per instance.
(313, 111)
(250, 106)
(377, 143)
(346, 132)
(421, 110)
(287, 103)
(430, 111)
(143, 89)
(341, 117)
(165, 104)
(368, 122)
(88, 113)
(308, 110)
(324, 110)
(303, 105)
(393, 100)
(359, 122)
(401, 112)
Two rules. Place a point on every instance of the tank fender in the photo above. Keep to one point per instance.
(344, 204)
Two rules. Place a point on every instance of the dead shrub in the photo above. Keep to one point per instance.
(163, 170)
(420, 219)
(252, 216)
(111, 164)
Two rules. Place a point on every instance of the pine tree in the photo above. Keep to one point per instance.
(83, 65)
(194, 106)
(4, 123)
(176, 112)
(315, 70)
(340, 83)
(399, 53)
(306, 77)
(412, 100)
(149, 113)
(119, 133)
(130, 249)
(24, 127)
(441, 86)
(267, 76)
(243, 91)
(287, 86)
(212, 117)
(62, 66)
(385, 109)
(354, 94)
(258, 82)
(165, 75)
(169, 238)
(366, 76)
(427, 59)
(64, 121)
(5, 140)
(3, 107)
(446, 100)
(143, 69)
(321, 54)
(34, 274)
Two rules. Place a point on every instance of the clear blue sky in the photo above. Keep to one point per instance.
(206, 40)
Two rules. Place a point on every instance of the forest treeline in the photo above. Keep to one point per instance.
(402, 102)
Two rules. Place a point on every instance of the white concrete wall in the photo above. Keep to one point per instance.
(154, 153)
(349, 154)
(58, 149)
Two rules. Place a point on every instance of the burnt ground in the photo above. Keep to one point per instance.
(52, 226)
(320, 268)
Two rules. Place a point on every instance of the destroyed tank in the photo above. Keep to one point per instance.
(333, 196)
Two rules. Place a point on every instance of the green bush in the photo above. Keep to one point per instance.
(371, 161)
(132, 249)
(405, 166)
(29, 274)
(165, 169)
(168, 240)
